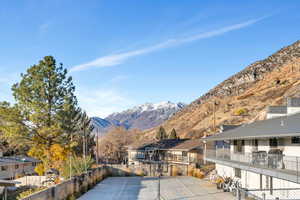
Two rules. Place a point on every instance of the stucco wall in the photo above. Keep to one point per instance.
(252, 180)
(293, 110)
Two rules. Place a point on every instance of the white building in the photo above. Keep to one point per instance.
(264, 155)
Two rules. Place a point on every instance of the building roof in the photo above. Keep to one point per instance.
(8, 183)
(169, 144)
(187, 145)
(14, 160)
(284, 126)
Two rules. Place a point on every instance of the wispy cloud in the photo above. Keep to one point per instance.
(44, 28)
(102, 101)
(119, 58)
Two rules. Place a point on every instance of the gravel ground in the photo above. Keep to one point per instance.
(146, 188)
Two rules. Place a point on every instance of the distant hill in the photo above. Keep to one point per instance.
(241, 98)
(141, 117)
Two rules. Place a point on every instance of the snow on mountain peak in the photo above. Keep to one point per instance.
(156, 106)
(142, 117)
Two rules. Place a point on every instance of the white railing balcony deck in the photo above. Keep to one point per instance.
(259, 162)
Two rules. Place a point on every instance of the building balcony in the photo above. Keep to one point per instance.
(168, 159)
(276, 165)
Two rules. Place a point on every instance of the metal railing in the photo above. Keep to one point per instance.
(288, 164)
(177, 158)
(170, 158)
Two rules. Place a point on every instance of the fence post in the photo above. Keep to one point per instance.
(264, 196)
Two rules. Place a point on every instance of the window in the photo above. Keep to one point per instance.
(273, 142)
(239, 147)
(295, 140)
(184, 153)
(16, 166)
(255, 143)
(238, 172)
(4, 168)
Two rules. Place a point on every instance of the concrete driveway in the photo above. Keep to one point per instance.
(146, 188)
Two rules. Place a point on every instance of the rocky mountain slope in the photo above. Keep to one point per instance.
(241, 98)
(140, 117)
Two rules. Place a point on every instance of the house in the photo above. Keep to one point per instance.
(263, 155)
(181, 153)
(15, 166)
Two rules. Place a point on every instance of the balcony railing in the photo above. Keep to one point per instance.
(177, 158)
(279, 162)
(169, 158)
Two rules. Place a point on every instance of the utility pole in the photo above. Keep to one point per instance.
(214, 116)
(97, 145)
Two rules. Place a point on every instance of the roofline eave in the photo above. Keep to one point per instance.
(253, 137)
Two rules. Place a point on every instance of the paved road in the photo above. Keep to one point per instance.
(146, 188)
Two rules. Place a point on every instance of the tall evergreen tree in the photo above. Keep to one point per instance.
(161, 134)
(44, 94)
(173, 134)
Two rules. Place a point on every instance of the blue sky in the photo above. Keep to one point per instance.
(123, 53)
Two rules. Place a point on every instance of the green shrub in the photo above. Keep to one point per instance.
(78, 165)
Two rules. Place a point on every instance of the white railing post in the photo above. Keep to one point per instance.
(238, 193)
(297, 168)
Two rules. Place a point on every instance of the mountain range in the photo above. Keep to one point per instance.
(140, 117)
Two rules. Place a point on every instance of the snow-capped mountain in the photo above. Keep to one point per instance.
(142, 117)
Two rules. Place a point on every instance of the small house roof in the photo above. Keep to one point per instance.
(170, 144)
(14, 160)
(188, 145)
(285, 126)
(6, 183)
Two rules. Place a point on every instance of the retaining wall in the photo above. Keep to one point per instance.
(74, 187)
